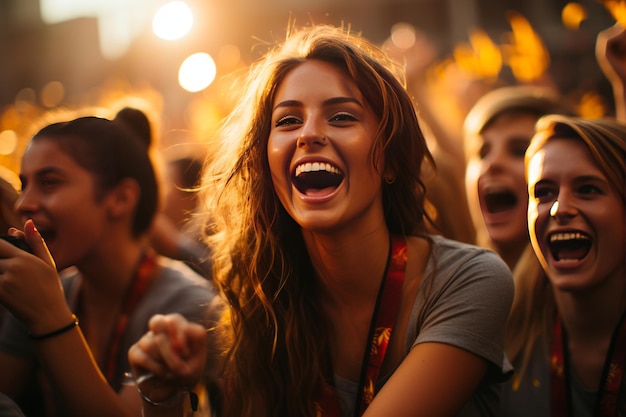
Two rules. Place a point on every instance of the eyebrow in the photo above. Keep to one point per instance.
(45, 171)
(330, 101)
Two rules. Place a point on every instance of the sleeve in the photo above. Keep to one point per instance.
(468, 303)
(14, 338)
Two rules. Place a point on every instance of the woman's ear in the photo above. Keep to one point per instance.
(123, 199)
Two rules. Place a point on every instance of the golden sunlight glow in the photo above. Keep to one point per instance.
(480, 58)
(172, 21)
(8, 142)
(591, 105)
(618, 9)
(197, 72)
(524, 50)
(572, 15)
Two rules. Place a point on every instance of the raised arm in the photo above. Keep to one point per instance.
(30, 288)
(611, 56)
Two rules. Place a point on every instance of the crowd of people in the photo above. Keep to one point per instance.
(306, 264)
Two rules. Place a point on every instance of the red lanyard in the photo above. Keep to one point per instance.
(381, 328)
(142, 280)
(612, 375)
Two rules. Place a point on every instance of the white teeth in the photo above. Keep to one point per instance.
(316, 166)
(568, 236)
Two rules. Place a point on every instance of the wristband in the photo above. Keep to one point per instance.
(168, 402)
(56, 332)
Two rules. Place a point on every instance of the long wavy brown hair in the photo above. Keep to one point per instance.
(275, 354)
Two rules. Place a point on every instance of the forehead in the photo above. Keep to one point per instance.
(314, 78)
(561, 156)
(47, 153)
(506, 125)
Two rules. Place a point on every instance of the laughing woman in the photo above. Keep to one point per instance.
(575, 363)
(89, 188)
(340, 303)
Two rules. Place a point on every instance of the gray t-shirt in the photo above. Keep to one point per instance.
(531, 396)
(464, 301)
(175, 289)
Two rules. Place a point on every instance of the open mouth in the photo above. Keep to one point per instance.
(499, 201)
(313, 178)
(569, 246)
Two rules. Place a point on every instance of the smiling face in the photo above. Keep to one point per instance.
(320, 148)
(576, 218)
(60, 196)
(495, 182)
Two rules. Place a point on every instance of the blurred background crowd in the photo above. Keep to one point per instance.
(179, 61)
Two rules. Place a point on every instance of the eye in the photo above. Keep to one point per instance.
(343, 117)
(589, 189)
(543, 193)
(49, 183)
(287, 121)
(518, 147)
(484, 150)
(518, 151)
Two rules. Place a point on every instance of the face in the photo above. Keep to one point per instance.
(496, 187)
(320, 148)
(59, 195)
(576, 219)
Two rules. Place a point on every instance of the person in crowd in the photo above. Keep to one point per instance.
(611, 57)
(339, 303)
(178, 230)
(89, 195)
(8, 197)
(497, 131)
(172, 234)
(574, 344)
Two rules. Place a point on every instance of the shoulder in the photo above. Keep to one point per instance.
(179, 289)
(177, 275)
(458, 258)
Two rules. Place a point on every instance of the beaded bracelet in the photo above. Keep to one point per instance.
(56, 332)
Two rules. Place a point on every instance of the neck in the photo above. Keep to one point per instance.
(592, 313)
(350, 267)
(107, 275)
(511, 253)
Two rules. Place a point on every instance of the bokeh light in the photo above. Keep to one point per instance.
(197, 72)
(573, 14)
(52, 94)
(403, 35)
(172, 21)
(8, 142)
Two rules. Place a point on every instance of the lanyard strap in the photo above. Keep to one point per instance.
(612, 375)
(381, 326)
(141, 281)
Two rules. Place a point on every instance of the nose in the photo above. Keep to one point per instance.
(563, 208)
(494, 161)
(311, 140)
(25, 204)
(312, 132)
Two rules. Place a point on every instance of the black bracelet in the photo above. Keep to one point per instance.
(56, 332)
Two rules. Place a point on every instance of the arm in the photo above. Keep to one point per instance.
(435, 379)
(31, 290)
(457, 352)
(611, 56)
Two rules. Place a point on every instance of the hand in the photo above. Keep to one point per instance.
(29, 283)
(174, 352)
(611, 52)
